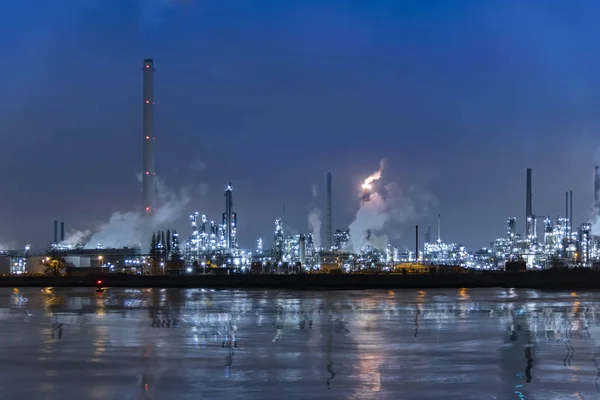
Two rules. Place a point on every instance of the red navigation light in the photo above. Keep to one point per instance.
(99, 282)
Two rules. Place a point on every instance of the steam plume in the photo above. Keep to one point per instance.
(128, 229)
(314, 218)
(393, 206)
(10, 245)
(314, 223)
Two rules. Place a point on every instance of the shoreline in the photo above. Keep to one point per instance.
(552, 279)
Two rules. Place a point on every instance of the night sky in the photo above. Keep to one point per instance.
(458, 96)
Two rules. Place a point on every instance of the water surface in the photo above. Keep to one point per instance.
(252, 344)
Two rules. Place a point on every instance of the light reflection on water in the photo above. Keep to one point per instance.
(189, 344)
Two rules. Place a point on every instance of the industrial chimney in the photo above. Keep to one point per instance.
(528, 209)
(570, 211)
(597, 190)
(62, 231)
(55, 231)
(148, 137)
(302, 250)
(228, 216)
(328, 217)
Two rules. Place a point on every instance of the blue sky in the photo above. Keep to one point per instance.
(459, 97)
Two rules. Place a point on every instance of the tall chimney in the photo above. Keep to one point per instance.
(62, 231)
(567, 204)
(302, 251)
(571, 210)
(228, 216)
(528, 209)
(148, 137)
(597, 190)
(417, 243)
(439, 228)
(328, 218)
(55, 231)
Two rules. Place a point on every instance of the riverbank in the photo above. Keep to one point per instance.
(558, 279)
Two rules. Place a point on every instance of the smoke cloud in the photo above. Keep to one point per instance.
(10, 245)
(129, 229)
(314, 224)
(314, 218)
(392, 207)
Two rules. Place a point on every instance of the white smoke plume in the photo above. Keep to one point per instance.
(393, 207)
(10, 245)
(75, 237)
(314, 218)
(129, 229)
(314, 223)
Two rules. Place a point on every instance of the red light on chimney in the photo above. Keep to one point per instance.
(99, 282)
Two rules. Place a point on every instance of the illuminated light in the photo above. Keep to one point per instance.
(99, 282)
(147, 101)
(147, 173)
(147, 65)
(147, 137)
(147, 208)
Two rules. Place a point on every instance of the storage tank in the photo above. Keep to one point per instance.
(34, 265)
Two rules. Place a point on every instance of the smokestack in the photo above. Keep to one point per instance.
(597, 189)
(571, 210)
(62, 231)
(567, 205)
(439, 228)
(302, 250)
(228, 216)
(328, 218)
(417, 243)
(528, 209)
(148, 137)
(55, 231)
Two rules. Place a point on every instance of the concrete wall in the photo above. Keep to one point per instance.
(79, 261)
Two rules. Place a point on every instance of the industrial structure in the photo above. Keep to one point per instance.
(329, 215)
(148, 136)
(215, 243)
(213, 246)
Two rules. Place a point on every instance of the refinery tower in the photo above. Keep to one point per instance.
(148, 137)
